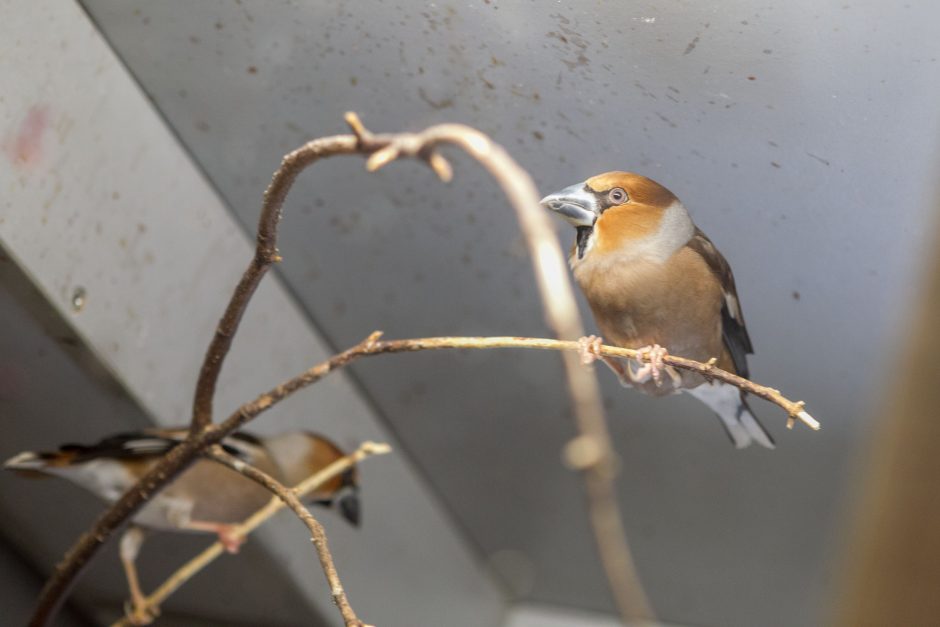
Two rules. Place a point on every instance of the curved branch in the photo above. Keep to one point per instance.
(317, 534)
(561, 313)
(265, 256)
(195, 565)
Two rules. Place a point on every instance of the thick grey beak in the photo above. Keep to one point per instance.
(575, 204)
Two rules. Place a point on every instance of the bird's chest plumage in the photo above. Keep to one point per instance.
(637, 302)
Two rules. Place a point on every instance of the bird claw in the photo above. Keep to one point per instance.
(231, 540)
(138, 613)
(655, 367)
(589, 348)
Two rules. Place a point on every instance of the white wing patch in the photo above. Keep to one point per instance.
(732, 304)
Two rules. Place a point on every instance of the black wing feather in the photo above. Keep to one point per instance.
(152, 443)
(733, 330)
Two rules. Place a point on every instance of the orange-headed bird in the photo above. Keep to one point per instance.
(654, 282)
(207, 497)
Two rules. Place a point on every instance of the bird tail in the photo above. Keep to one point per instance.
(730, 406)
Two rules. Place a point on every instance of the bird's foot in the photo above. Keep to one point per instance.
(589, 347)
(227, 533)
(137, 611)
(230, 539)
(655, 367)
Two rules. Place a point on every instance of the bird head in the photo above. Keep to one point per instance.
(618, 210)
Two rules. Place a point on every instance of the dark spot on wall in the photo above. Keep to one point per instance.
(775, 164)
(443, 103)
(667, 120)
(252, 69)
(795, 295)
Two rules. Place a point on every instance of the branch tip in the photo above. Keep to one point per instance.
(374, 448)
(441, 166)
(810, 422)
(356, 125)
(373, 337)
(382, 157)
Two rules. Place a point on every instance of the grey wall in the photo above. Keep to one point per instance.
(802, 136)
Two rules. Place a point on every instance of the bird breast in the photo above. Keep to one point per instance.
(638, 302)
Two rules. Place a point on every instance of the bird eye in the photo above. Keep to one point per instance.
(617, 196)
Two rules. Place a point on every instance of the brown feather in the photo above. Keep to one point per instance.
(736, 339)
(675, 304)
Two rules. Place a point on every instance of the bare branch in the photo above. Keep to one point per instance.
(265, 255)
(191, 568)
(317, 534)
(561, 312)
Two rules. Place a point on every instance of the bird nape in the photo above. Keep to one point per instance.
(654, 282)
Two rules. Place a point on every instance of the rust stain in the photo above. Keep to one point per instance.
(25, 147)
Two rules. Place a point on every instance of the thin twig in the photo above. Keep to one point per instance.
(195, 565)
(265, 256)
(373, 345)
(794, 409)
(317, 534)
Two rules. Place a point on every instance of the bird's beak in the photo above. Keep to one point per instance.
(575, 204)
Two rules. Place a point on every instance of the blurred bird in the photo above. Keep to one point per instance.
(654, 281)
(207, 497)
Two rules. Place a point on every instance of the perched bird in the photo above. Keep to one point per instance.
(654, 282)
(207, 497)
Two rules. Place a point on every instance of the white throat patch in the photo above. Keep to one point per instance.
(675, 230)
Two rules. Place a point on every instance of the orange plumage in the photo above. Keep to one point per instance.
(655, 282)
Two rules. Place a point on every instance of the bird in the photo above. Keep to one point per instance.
(206, 498)
(655, 283)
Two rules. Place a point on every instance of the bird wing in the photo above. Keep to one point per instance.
(154, 443)
(138, 444)
(733, 329)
